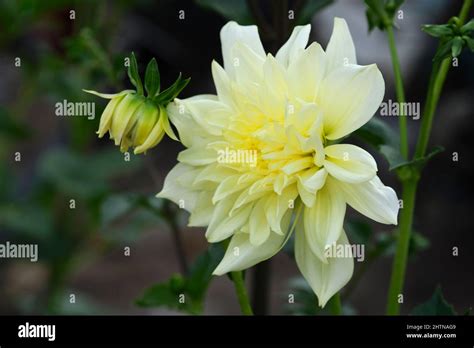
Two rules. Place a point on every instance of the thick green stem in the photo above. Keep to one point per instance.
(438, 76)
(239, 284)
(403, 243)
(399, 91)
(334, 304)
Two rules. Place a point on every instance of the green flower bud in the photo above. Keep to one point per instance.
(135, 120)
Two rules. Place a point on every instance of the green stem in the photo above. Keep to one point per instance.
(403, 243)
(334, 304)
(409, 186)
(239, 285)
(399, 91)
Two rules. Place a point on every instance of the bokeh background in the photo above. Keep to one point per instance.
(83, 251)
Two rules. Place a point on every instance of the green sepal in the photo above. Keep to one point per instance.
(133, 74)
(152, 79)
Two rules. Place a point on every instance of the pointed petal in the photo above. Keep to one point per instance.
(349, 163)
(326, 279)
(340, 50)
(241, 254)
(349, 97)
(109, 95)
(222, 224)
(297, 41)
(311, 64)
(373, 199)
(323, 222)
(259, 230)
(232, 33)
(175, 191)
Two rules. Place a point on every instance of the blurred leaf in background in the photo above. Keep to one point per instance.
(185, 293)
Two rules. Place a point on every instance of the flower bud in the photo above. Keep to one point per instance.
(134, 121)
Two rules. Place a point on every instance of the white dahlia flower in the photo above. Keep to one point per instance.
(263, 152)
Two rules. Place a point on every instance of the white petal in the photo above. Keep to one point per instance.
(326, 279)
(190, 132)
(241, 254)
(222, 83)
(259, 229)
(313, 179)
(232, 33)
(109, 96)
(175, 191)
(340, 50)
(297, 41)
(349, 163)
(222, 224)
(202, 214)
(278, 205)
(323, 222)
(210, 114)
(373, 199)
(197, 156)
(349, 97)
(311, 64)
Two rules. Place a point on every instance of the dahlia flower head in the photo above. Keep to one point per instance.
(289, 112)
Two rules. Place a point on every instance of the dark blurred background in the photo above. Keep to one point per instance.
(84, 251)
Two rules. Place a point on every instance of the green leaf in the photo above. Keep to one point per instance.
(237, 10)
(360, 232)
(456, 47)
(385, 243)
(11, 128)
(444, 51)
(381, 13)
(193, 286)
(419, 163)
(124, 217)
(152, 78)
(469, 26)
(165, 294)
(470, 43)
(65, 171)
(133, 74)
(172, 92)
(438, 30)
(310, 8)
(380, 135)
(436, 305)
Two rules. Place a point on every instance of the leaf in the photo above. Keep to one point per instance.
(443, 51)
(419, 163)
(65, 171)
(380, 135)
(456, 47)
(385, 243)
(237, 10)
(133, 74)
(470, 43)
(438, 30)
(152, 78)
(310, 8)
(469, 26)
(193, 286)
(172, 92)
(125, 217)
(381, 13)
(11, 128)
(360, 232)
(436, 305)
